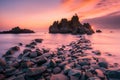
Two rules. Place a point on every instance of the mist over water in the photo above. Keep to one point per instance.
(107, 42)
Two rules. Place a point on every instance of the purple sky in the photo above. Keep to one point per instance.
(39, 14)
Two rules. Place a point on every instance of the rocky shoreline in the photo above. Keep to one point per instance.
(75, 61)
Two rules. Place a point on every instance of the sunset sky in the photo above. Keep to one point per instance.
(39, 14)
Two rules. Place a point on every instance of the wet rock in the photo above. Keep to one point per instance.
(10, 58)
(52, 63)
(88, 74)
(73, 72)
(94, 78)
(57, 70)
(59, 77)
(15, 48)
(39, 53)
(103, 64)
(15, 64)
(33, 43)
(33, 54)
(39, 40)
(97, 52)
(26, 51)
(113, 74)
(62, 65)
(74, 78)
(40, 60)
(66, 69)
(9, 52)
(36, 71)
(30, 46)
(20, 44)
(26, 64)
(2, 62)
(83, 63)
(10, 71)
(2, 77)
(45, 50)
(100, 74)
(20, 77)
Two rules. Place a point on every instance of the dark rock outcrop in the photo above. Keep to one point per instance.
(73, 26)
(17, 30)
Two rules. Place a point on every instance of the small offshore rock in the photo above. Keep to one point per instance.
(39, 40)
(20, 44)
(98, 31)
(97, 52)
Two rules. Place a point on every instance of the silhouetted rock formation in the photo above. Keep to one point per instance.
(17, 30)
(73, 26)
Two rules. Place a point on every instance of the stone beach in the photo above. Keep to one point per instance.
(75, 61)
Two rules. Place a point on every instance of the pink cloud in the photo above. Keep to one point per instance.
(91, 8)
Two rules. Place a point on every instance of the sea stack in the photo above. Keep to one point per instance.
(71, 26)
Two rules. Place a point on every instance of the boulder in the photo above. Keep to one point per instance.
(113, 74)
(2, 77)
(103, 64)
(2, 62)
(10, 71)
(59, 77)
(57, 70)
(26, 64)
(36, 71)
(15, 48)
(94, 78)
(33, 54)
(26, 51)
(74, 72)
(40, 60)
(100, 74)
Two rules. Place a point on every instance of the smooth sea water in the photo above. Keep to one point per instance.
(107, 42)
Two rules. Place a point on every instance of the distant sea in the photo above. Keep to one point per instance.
(107, 42)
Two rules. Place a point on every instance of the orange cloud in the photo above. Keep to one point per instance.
(91, 8)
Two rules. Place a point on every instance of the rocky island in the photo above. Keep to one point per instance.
(17, 30)
(73, 26)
